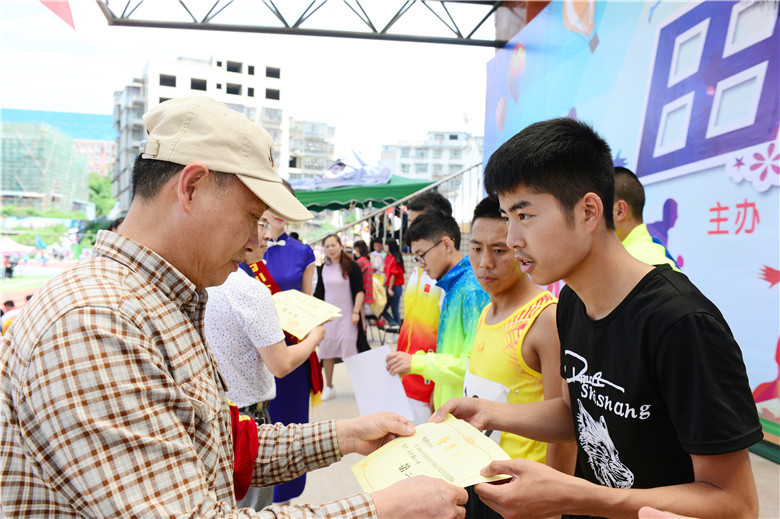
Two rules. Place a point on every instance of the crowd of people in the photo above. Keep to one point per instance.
(154, 378)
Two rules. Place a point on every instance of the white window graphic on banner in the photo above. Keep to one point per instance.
(736, 101)
(749, 24)
(686, 56)
(673, 128)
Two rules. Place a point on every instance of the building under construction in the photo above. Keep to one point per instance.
(42, 169)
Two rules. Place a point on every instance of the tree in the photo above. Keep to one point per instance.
(100, 194)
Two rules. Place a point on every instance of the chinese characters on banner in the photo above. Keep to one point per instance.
(746, 219)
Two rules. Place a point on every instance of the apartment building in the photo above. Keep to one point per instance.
(441, 154)
(311, 147)
(249, 87)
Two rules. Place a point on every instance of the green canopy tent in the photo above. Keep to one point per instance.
(349, 197)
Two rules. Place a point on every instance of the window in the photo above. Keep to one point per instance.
(198, 84)
(421, 153)
(272, 93)
(234, 89)
(166, 80)
(236, 108)
(453, 137)
(438, 168)
(250, 69)
(406, 153)
(234, 66)
(439, 137)
(138, 134)
(454, 168)
(273, 72)
(735, 104)
(273, 115)
(219, 63)
(406, 168)
(162, 100)
(456, 154)
(250, 92)
(673, 128)
(219, 86)
(421, 168)
(437, 153)
(688, 48)
(750, 23)
(293, 162)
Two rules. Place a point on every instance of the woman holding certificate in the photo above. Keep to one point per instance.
(340, 283)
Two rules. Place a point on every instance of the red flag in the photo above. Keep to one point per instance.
(62, 9)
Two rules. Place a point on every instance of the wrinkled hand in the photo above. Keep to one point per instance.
(472, 410)
(534, 491)
(421, 497)
(366, 434)
(398, 363)
(317, 334)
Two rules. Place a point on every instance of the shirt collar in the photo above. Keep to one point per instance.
(637, 234)
(449, 279)
(152, 266)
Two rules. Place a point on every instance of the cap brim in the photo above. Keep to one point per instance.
(277, 198)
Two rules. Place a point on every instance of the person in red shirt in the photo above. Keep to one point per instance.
(394, 281)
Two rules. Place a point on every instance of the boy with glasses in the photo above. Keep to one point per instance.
(434, 238)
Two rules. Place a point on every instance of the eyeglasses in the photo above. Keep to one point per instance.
(264, 226)
(420, 260)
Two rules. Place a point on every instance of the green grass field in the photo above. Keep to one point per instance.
(18, 284)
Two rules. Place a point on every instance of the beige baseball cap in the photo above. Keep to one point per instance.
(199, 129)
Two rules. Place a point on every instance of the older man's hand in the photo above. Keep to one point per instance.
(421, 497)
(366, 434)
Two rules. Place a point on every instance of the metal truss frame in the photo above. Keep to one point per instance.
(460, 36)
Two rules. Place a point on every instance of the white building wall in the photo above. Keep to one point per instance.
(252, 88)
(441, 154)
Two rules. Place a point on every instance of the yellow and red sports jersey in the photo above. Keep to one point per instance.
(498, 372)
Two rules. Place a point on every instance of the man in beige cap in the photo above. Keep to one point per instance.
(111, 403)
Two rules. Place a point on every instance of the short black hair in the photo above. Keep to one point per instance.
(561, 157)
(488, 207)
(433, 226)
(430, 200)
(10, 303)
(150, 175)
(630, 189)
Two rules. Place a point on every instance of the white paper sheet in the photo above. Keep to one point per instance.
(375, 388)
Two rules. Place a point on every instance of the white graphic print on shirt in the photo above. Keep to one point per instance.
(603, 457)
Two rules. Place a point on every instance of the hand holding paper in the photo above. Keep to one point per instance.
(299, 313)
(451, 450)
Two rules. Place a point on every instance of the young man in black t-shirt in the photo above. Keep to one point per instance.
(656, 393)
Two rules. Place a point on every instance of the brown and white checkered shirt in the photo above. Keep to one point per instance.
(112, 405)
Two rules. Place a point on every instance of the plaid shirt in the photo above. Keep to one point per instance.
(111, 404)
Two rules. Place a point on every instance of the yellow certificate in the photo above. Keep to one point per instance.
(299, 313)
(451, 450)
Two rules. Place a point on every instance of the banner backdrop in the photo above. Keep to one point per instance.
(686, 94)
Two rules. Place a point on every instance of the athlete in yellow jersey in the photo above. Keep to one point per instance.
(515, 355)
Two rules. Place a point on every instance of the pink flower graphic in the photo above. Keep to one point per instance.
(766, 163)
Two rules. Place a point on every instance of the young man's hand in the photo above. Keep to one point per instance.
(473, 410)
(535, 490)
(398, 363)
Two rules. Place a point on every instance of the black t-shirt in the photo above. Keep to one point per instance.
(659, 378)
